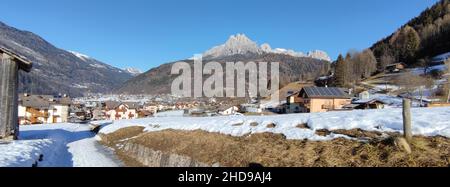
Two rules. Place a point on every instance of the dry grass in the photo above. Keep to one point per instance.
(271, 150)
(112, 140)
(303, 126)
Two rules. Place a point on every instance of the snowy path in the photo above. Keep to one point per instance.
(89, 153)
(63, 145)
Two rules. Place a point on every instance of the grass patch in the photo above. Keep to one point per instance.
(274, 150)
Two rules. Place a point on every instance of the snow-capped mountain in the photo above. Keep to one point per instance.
(81, 56)
(86, 58)
(294, 66)
(133, 71)
(236, 44)
(241, 44)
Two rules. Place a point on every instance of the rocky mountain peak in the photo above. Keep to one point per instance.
(236, 44)
(241, 44)
(318, 54)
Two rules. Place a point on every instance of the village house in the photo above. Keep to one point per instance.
(228, 110)
(395, 68)
(92, 104)
(365, 104)
(117, 110)
(153, 109)
(77, 112)
(251, 108)
(293, 103)
(317, 99)
(40, 109)
(98, 114)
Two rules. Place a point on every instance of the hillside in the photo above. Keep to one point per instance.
(423, 37)
(58, 71)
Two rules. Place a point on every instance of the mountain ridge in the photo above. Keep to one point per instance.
(241, 44)
(238, 48)
(56, 70)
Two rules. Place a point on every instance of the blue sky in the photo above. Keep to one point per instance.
(147, 33)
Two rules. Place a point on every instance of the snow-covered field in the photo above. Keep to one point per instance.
(426, 121)
(67, 145)
(63, 145)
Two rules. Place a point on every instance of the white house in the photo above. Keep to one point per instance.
(35, 109)
(117, 111)
(152, 108)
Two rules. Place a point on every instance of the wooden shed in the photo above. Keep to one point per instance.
(397, 67)
(10, 65)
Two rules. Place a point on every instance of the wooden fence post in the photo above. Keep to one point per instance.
(407, 119)
(8, 91)
(10, 64)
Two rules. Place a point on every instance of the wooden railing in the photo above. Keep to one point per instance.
(37, 113)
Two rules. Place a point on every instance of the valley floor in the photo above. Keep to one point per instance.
(324, 139)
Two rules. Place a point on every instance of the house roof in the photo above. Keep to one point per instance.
(396, 64)
(364, 101)
(132, 105)
(112, 104)
(35, 101)
(42, 101)
(24, 63)
(65, 101)
(292, 94)
(226, 107)
(351, 105)
(325, 92)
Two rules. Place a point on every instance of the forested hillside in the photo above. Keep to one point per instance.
(419, 40)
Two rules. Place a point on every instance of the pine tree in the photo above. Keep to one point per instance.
(411, 45)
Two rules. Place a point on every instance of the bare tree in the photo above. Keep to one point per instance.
(385, 60)
(425, 63)
(411, 83)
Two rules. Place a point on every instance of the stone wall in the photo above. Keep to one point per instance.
(153, 158)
